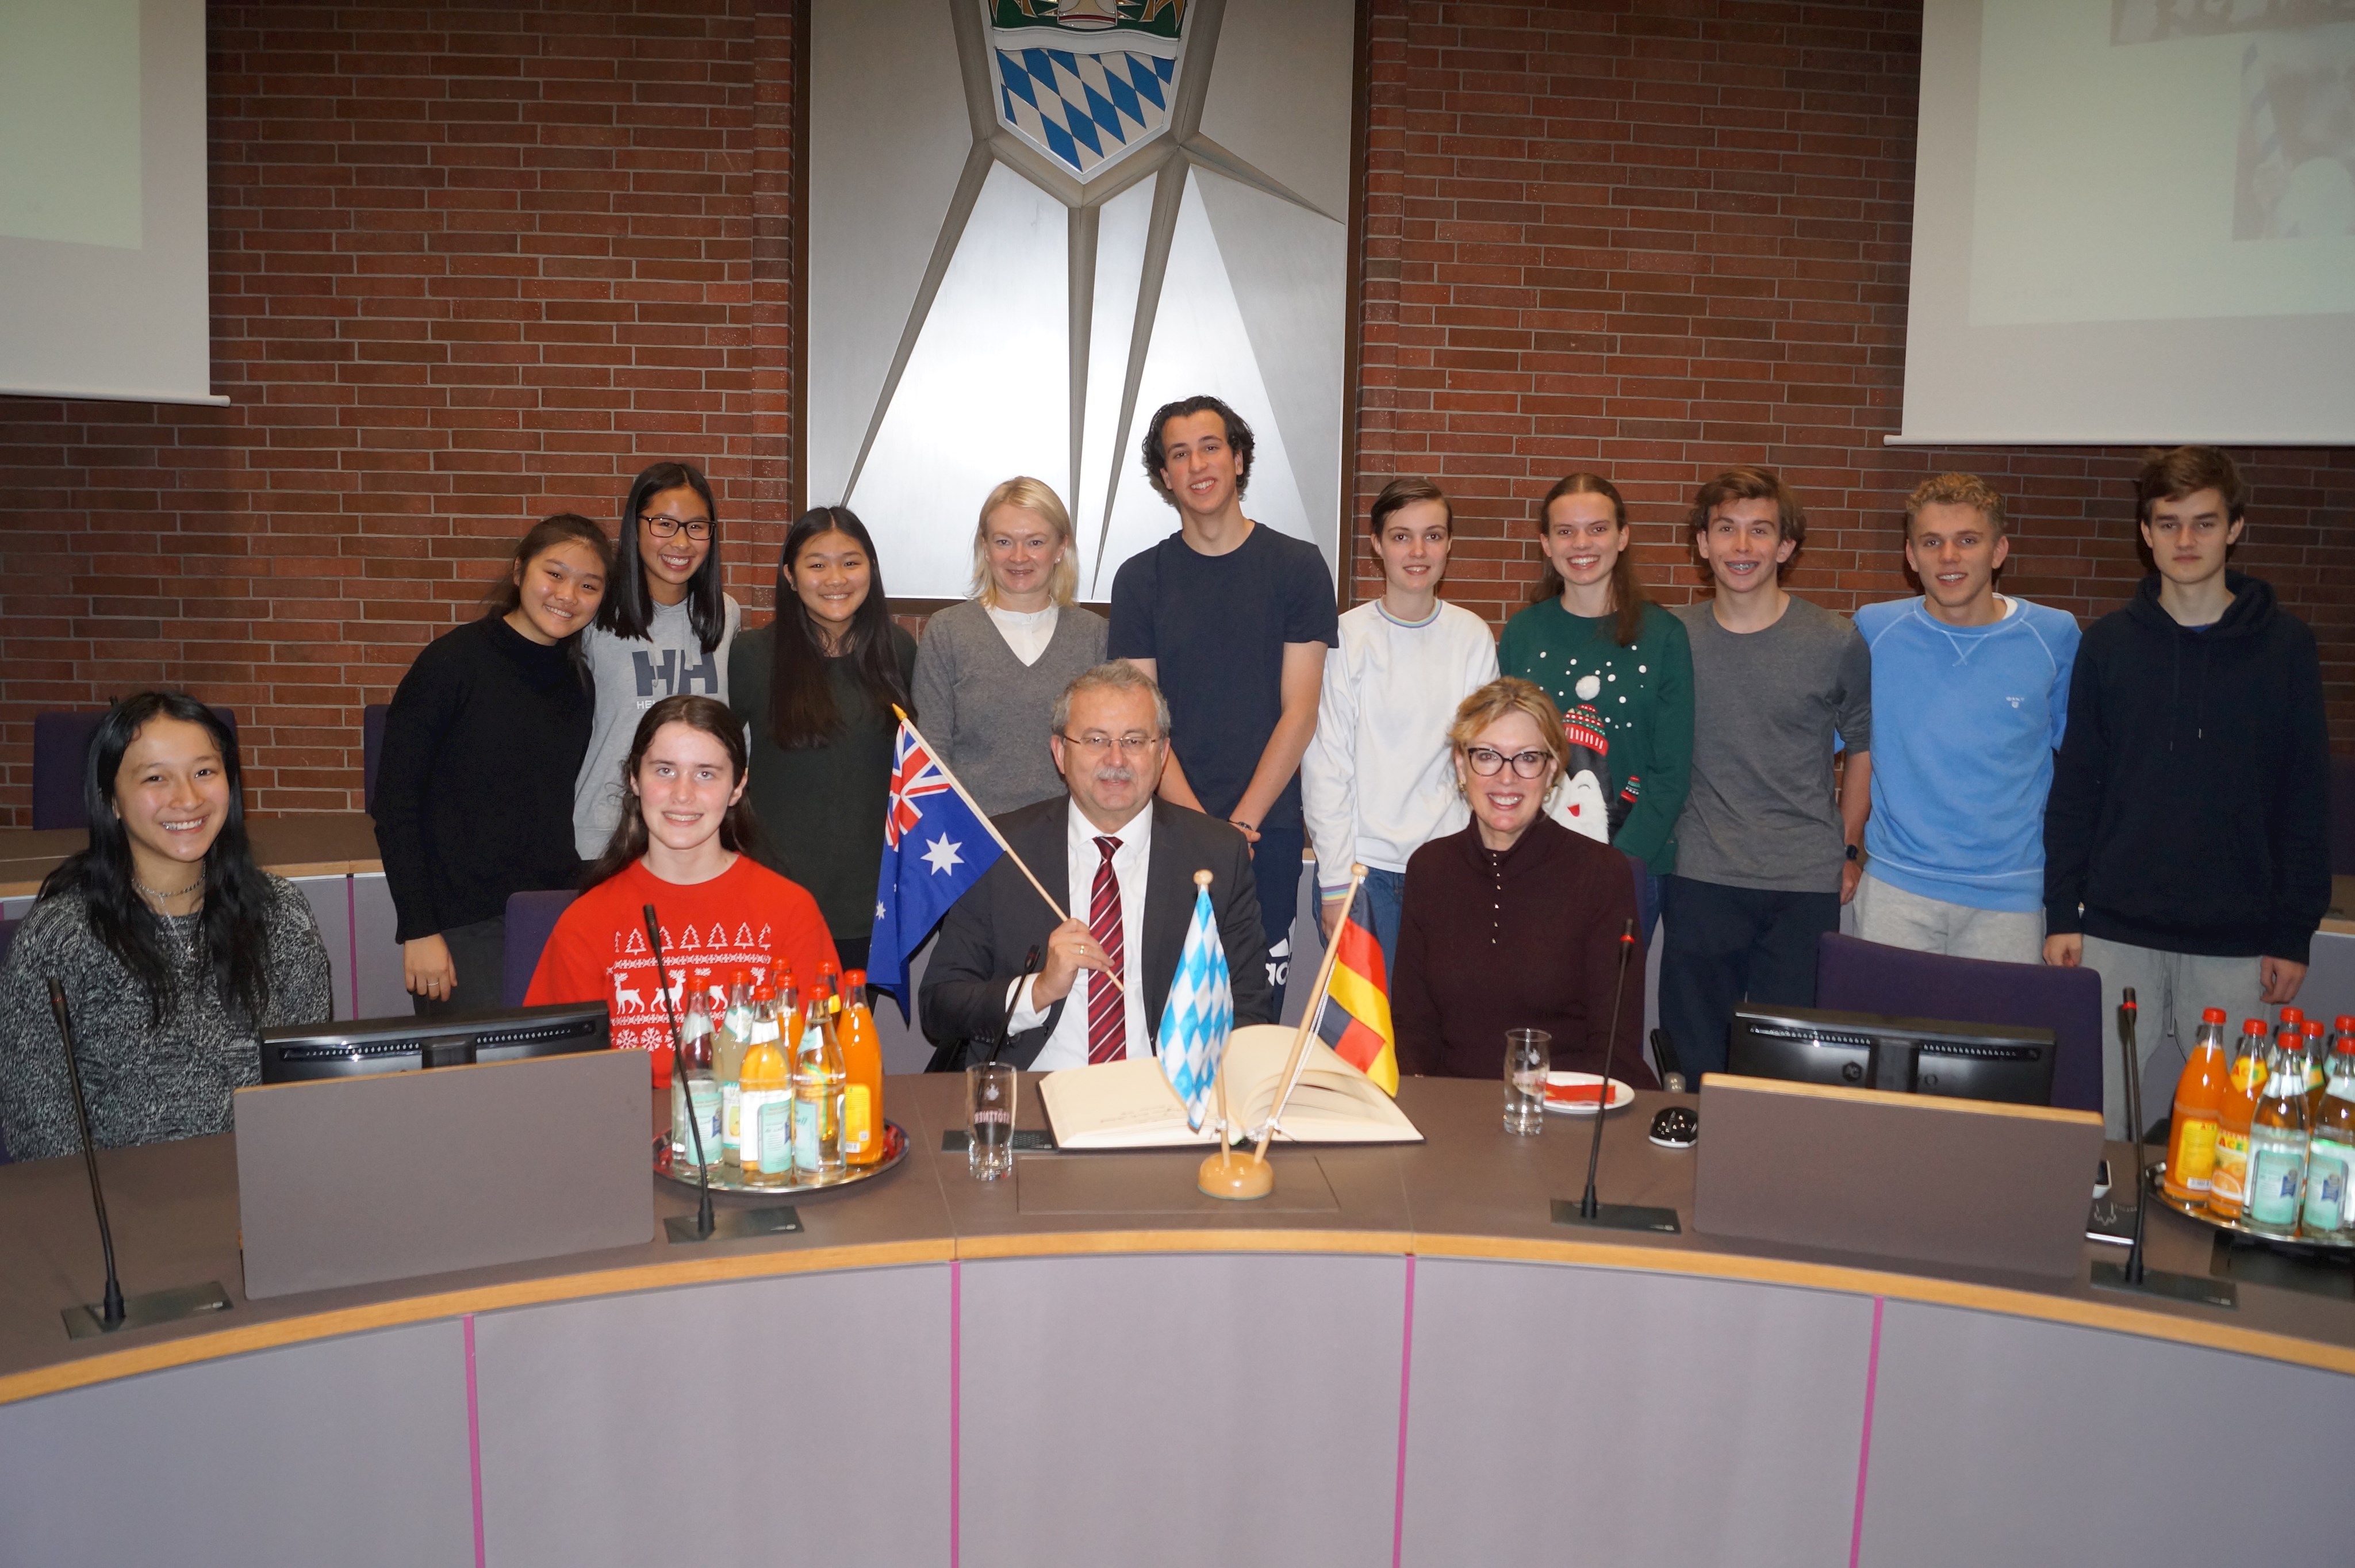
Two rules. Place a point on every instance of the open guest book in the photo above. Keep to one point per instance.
(1130, 1105)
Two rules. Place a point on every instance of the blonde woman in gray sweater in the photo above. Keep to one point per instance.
(988, 670)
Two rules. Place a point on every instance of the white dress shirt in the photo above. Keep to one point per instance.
(1067, 1046)
(1027, 632)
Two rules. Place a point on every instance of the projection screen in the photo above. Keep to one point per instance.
(102, 242)
(2134, 222)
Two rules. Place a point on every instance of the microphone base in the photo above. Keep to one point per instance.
(1618, 1217)
(148, 1311)
(2190, 1287)
(734, 1224)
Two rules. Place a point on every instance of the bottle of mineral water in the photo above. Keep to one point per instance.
(2330, 1155)
(697, 1099)
(818, 1083)
(2277, 1149)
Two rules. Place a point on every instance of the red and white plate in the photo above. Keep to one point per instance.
(1574, 1094)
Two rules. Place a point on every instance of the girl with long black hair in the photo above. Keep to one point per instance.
(816, 686)
(174, 948)
(663, 629)
(482, 746)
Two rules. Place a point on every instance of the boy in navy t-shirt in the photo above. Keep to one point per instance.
(1232, 619)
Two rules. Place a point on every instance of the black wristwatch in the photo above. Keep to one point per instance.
(1854, 852)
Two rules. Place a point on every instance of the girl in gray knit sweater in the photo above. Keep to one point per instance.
(988, 670)
(172, 947)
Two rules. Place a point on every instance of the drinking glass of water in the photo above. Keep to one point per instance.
(1529, 1056)
(989, 1111)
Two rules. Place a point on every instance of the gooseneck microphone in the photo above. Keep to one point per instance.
(1014, 1000)
(2127, 1046)
(703, 1220)
(1588, 1208)
(111, 1304)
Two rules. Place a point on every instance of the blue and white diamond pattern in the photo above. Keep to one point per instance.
(1084, 109)
(1200, 1015)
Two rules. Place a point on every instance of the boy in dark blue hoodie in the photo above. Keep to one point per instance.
(2187, 839)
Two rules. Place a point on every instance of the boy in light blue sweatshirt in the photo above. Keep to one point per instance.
(1970, 697)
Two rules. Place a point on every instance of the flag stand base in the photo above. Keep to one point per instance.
(1231, 1174)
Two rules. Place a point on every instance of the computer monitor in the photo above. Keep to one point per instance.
(296, 1052)
(1907, 1056)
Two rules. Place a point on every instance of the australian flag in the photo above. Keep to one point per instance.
(936, 844)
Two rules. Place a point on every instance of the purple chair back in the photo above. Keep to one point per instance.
(371, 750)
(1857, 976)
(60, 757)
(2342, 815)
(530, 918)
(7, 938)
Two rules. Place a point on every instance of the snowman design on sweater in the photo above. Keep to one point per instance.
(1580, 804)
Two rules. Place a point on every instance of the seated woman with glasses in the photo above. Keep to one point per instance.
(1513, 923)
(663, 630)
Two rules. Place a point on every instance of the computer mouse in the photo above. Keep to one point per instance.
(1677, 1127)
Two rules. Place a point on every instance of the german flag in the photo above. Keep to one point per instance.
(1356, 1017)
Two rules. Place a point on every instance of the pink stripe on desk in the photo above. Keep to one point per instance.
(474, 1438)
(1864, 1444)
(956, 1385)
(1406, 1381)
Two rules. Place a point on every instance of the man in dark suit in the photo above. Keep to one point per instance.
(1125, 861)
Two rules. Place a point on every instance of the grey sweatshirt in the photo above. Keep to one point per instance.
(633, 674)
(986, 712)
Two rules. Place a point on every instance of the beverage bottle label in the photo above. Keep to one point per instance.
(858, 1119)
(805, 1134)
(2228, 1179)
(2275, 1185)
(776, 1136)
(2192, 1164)
(2326, 1169)
(731, 1100)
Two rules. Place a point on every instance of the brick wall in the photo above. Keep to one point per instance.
(472, 264)
(1658, 240)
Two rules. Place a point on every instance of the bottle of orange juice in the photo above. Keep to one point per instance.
(2317, 1051)
(2191, 1137)
(862, 1060)
(2228, 1192)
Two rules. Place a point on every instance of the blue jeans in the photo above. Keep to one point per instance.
(1380, 902)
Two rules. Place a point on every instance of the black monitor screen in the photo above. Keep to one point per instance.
(1911, 1056)
(298, 1051)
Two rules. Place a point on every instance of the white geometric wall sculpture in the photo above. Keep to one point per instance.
(1033, 221)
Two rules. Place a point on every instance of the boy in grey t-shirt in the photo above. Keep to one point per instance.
(1765, 856)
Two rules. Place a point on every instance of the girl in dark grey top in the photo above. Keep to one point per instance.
(988, 670)
(173, 948)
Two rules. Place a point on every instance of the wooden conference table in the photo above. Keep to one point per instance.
(1397, 1358)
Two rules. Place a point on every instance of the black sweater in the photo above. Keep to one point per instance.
(2190, 800)
(473, 791)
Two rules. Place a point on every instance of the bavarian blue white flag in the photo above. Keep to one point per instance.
(1200, 1015)
(936, 844)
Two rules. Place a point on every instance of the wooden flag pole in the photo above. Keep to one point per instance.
(983, 817)
(1308, 1020)
(1222, 1175)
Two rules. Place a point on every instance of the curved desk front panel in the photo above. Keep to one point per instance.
(1399, 1360)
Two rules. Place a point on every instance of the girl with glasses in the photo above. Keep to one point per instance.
(989, 670)
(665, 630)
(1513, 923)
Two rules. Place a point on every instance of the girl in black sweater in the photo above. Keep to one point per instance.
(482, 744)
